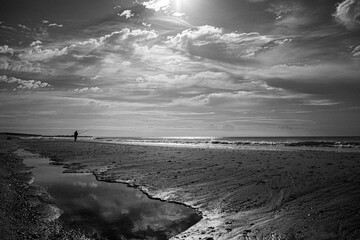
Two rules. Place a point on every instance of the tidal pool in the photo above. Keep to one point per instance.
(108, 210)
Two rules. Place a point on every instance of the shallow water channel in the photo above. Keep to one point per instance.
(109, 210)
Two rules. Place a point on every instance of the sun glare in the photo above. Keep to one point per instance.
(178, 4)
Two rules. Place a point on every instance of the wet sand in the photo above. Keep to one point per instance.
(242, 194)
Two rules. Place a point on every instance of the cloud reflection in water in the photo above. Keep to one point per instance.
(113, 210)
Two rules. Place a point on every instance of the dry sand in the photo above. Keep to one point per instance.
(242, 194)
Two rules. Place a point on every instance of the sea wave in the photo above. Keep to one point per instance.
(267, 142)
(237, 142)
(327, 144)
(331, 144)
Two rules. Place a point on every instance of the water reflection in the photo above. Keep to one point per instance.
(111, 210)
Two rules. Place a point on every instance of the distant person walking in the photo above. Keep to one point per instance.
(75, 135)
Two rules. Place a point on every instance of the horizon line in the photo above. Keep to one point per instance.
(67, 135)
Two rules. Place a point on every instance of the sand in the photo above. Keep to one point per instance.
(242, 194)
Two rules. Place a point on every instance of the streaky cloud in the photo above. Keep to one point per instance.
(213, 43)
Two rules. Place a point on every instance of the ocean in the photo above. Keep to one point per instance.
(349, 143)
(336, 142)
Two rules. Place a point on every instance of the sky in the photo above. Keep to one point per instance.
(153, 68)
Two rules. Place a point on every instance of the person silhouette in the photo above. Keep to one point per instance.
(75, 135)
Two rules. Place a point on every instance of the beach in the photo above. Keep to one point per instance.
(241, 193)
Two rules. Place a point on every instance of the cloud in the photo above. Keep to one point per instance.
(55, 25)
(356, 51)
(7, 27)
(24, 27)
(39, 54)
(35, 43)
(208, 79)
(6, 49)
(211, 42)
(169, 22)
(320, 102)
(89, 90)
(124, 41)
(223, 100)
(292, 16)
(282, 41)
(198, 36)
(234, 99)
(127, 14)
(348, 14)
(325, 80)
(322, 72)
(23, 84)
(126, 36)
(297, 51)
(222, 126)
(178, 14)
(104, 57)
(157, 5)
(146, 24)
(22, 66)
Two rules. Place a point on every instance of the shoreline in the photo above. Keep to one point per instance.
(27, 211)
(23, 153)
(148, 194)
(205, 146)
(137, 187)
(315, 143)
(145, 192)
(241, 193)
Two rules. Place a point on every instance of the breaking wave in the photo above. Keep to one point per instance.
(326, 142)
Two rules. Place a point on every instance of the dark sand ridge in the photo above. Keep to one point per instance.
(243, 194)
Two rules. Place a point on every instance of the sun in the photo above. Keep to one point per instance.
(178, 4)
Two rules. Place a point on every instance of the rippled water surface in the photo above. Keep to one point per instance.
(111, 210)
